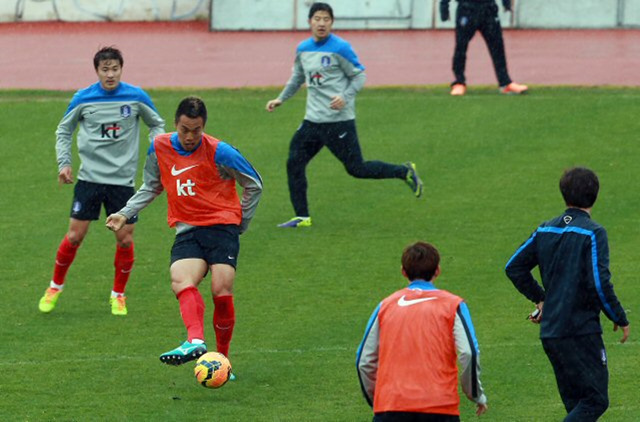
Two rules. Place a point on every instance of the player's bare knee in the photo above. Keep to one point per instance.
(76, 237)
(125, 242)
(179, 285)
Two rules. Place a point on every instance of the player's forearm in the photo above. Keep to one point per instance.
(469, 358)
(296, 80)
(292, 86)
(64, 137)
(251, 194)
(367, 357)
(153, 120)
(150, 189)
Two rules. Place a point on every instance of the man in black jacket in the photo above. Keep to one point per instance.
(479, 15)
(572, 253)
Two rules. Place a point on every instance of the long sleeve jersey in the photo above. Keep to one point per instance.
(572, 253)
(109, 132)
(229, 164)
(329, 67)
(406, 361)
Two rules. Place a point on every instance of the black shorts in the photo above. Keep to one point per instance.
(218, 244)
(414, 417)
(88, 198)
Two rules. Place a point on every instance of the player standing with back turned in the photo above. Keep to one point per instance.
(572, 253)
(333, 75)
(108, 114)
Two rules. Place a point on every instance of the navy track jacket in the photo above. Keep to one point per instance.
(572, 253)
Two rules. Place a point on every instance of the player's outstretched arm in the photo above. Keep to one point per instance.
(272, 104)
(115, 222)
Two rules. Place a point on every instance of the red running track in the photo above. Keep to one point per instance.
(56, 55)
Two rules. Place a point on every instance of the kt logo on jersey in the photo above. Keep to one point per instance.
(110, 130)
(186, 188)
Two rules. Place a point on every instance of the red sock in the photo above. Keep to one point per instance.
(224, 318)
(124, 264)
(192, 311)
(64, 258)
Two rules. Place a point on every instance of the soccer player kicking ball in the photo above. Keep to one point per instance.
(199, 174)
(108, 113)
(333, 75)
(407, 360)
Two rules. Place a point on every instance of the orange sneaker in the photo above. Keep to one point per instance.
(514, 88)
(458, 89)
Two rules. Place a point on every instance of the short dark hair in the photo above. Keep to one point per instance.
(107, 53)
(192, 107)
(316, 7)
(420, 261)
(579, 187)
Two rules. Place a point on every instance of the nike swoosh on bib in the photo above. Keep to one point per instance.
(403, 302)
(175, 172)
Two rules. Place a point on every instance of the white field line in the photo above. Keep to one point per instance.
(333, 349)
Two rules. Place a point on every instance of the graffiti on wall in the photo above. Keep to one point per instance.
(105, 10)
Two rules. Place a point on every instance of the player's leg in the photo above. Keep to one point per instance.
(221, 245)
(591, 364)
(561, 356)
(123, 265)
(116, 198)
(466, 25)
(224, 316)
(343, 143)
(491, 31)
(305, 144)
(85, 208)
(188, 268)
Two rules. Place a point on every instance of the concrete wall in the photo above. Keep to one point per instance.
(103, 10)
(421, 14)
(350, 14)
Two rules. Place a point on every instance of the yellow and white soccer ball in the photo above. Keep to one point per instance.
(212, 370)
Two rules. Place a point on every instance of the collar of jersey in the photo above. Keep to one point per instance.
(323, 42)
(577, 212)
(421, 285)
(177, 146)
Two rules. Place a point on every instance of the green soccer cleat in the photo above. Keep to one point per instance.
(297, 222)
(413, 180)
(48, 301)
(184, 353)
(118, 305)
(232, 377)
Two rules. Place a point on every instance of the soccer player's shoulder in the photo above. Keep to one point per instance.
(306, 45)
(86, 95)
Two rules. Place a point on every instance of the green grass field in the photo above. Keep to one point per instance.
(491, 166)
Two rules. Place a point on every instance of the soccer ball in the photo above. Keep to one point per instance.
(212, 370)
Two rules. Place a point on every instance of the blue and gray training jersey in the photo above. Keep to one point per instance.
(109, 132)
(329, 68)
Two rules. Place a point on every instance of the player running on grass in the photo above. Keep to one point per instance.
(199, 174)
(333, 75)
(108, 114)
